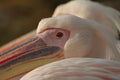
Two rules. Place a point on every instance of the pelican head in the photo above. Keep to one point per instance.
(56, 38)
(78, 36)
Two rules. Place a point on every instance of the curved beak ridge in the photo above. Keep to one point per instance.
(28, 52)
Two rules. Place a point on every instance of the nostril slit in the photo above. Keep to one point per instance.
(59, 35)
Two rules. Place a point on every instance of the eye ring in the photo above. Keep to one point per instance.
(59, 35)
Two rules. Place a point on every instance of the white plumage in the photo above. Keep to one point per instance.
(87, 38)
(93, 34)
(77, 69)
(77, 46)
(93, 11)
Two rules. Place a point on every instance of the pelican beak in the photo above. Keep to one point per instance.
(26, 56)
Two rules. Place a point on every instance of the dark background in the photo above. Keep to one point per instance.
(18, 17)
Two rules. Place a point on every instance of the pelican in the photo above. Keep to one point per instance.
(93, 11)
(86, 9)
(81, 36)
(56, 38)
(77, 69)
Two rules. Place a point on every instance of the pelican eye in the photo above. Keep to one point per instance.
(59, 35)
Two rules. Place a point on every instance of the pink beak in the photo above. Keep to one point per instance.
(28, 52)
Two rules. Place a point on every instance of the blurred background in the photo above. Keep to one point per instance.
(18, 17)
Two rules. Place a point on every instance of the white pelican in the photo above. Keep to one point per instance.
(94, 11)
(74, 68)
(88, 38)
(77, 69)
(88, 10)
(57, 37)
